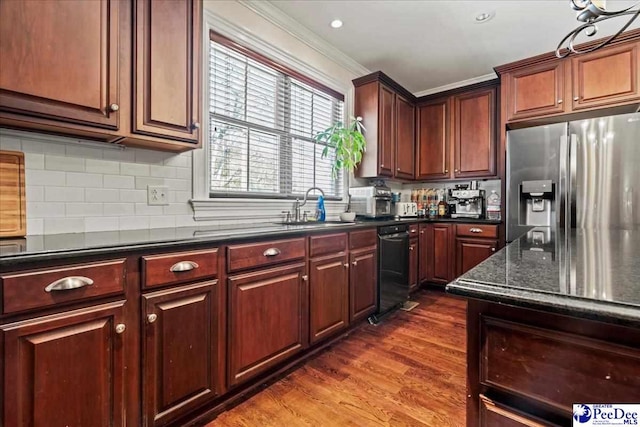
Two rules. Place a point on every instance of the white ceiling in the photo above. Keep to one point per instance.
(433, 43)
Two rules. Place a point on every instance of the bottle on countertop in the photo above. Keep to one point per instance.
(493, 206)
(321, 213)
(442, 205)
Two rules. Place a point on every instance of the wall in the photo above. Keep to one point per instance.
(77, 187)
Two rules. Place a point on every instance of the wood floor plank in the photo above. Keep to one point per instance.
(410, 370)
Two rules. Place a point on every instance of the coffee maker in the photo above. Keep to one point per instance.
(465, 203)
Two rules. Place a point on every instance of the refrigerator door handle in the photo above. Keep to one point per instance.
(572, 188)
(561, 195)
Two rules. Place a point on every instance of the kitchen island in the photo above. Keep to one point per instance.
(553, 320)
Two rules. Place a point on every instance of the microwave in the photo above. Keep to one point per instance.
(371, 202)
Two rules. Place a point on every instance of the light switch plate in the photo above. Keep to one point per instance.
(157, 195)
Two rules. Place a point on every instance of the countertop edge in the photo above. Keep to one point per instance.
(599, 311)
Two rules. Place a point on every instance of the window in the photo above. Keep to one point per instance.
(262, 122)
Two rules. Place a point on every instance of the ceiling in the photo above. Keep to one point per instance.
(429, 44)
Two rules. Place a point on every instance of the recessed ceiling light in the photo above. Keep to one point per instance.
(336, 23)
(484, 17)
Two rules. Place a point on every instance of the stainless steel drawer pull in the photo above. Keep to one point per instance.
(152, 318)
(66, 283)
(183, 266)
(475, 230)
(271, 252)
(120, 327)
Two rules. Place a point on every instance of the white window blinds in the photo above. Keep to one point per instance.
(262, 123)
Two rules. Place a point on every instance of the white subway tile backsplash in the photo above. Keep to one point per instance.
(101, 223)
(41, 177)
(45, 209)
(134, 222)
(10, 143)
(144, 209)
(100, 195)
(41, 147)
(62, 163)
(178, 184)
(63, 194)
(86, 180)
(185, 221)
(84, 209)
(34, 161)
(35, 226)
(133, 196)
(84, 152)
(134, 169)
(118, 209)
(34, 193)
(152, 157)
(126, 155)
(63, 225)
(183, 173)
(181, 160)
(177, 209)
(117, 181)
(102, 166)
(165, 221)
(162, 171)
(143, 182)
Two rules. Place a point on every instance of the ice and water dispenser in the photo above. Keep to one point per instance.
(537, 203)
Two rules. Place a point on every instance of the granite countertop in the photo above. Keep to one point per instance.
(60, 246)
(592, 274)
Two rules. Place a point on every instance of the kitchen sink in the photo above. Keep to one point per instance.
(314, 224)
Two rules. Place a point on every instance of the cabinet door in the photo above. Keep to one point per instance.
(65, 369)
(439, 253)
(413, 265)
(363, 283)
(535, 91)
(386, 133)
(405, 138)
(432, 143)
(61, 60)
(423, 253)
(475, 134)
(471, 252)
(266, 319)
(496, 415)
(328, 295)
(167, 69)
(181, 353)
(606, 77)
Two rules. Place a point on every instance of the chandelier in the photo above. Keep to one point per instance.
(592, 12)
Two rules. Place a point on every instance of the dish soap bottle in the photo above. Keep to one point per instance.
(320, 211)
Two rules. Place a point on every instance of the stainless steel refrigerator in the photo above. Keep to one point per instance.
(580, 174)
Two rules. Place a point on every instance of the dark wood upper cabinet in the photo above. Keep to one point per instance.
(475, 134)
(433, 140)
(328, 295)
(405, 138)
(606, 77)
(182, 365)
(535, 91)
(66, 370)
(167, 69)
(471, 252)
(61, 60)
(440, 253)
(267, 319)
(363, 283)
(387, 140)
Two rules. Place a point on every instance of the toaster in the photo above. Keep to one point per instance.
(406, 209)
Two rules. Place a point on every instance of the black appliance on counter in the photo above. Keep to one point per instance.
(393, 269)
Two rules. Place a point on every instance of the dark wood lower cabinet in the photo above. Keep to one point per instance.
(497, 415)
(182, 366)
(328, 296)
(471, 252)
(53, 363)
(267, 319)
(439, 253)
(363, 283)
(413, 265)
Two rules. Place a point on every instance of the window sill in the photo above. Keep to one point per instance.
(260, 210)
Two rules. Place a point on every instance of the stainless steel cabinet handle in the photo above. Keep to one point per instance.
(271, 252)
(577, 98)
(152, 318)
(346, 265)
(475, 230)
(120, 327)
(305, 277)
(398, 169)
(559, 101)
(114, 107)
(493, 249)
(446, 171)
(411, 248)
(195, 125)
(421, 231)
(354, 263)
(183, 266)
(456, 170)
(66, 283)
(382, 164)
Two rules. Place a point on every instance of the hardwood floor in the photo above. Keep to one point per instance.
(408, 371)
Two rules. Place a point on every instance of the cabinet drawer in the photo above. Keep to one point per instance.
(477, 230)
(413, 230)
(363, 238)
(159, 270)
(241, 257)
(496, 415)
(41, 288)
(524, 361)
(327, 244)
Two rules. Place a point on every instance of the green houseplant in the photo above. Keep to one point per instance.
(346, 142)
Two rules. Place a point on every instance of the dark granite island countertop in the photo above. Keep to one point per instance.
(590, 274)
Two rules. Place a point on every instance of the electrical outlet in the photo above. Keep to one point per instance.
(157, 195)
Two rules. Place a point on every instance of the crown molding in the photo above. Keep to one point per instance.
(303, 34)
(456, 85)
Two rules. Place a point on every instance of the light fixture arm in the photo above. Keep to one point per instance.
(592, 15)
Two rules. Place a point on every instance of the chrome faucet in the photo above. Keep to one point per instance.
(297, 205)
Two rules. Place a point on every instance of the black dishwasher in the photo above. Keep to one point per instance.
(393, 269)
